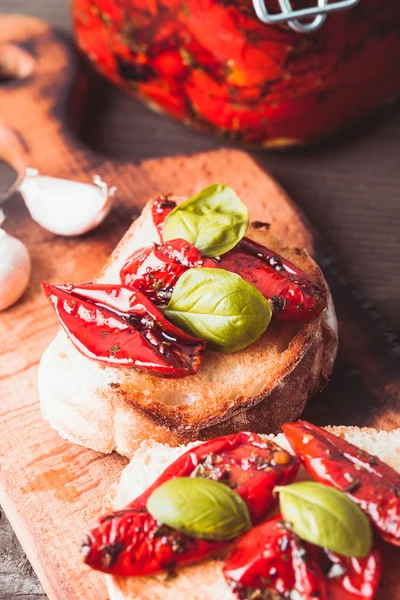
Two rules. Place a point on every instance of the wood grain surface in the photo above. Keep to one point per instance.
(52, 490)
(349, 189)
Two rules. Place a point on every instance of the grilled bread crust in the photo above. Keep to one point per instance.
(258, 388)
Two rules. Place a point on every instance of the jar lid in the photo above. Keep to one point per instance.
(295, 17)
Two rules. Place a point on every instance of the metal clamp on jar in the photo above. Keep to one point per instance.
(295, 18)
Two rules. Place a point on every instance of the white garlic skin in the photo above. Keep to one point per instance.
(63, 206)
(15, 269)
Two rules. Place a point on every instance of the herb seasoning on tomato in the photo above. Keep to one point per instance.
(155, 270)
(294, 296)
(121, 327)
(133, 542)
(271, 561)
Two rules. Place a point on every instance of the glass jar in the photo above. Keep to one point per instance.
(214, 65)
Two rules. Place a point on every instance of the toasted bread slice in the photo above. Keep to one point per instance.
(257, 388)
(204, 580)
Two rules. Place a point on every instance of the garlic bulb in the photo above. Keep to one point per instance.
(63, 206)
(15, 268)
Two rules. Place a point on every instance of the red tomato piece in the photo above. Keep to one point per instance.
(271, 560)
(156, 269)
(369, 482)
(119, 326)
(131, 542)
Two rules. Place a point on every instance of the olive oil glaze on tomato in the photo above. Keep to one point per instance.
(212, 64)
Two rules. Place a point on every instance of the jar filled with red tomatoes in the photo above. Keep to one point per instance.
(262, 72)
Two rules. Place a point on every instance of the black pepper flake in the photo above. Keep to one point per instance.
(261, 225)
(171, 575)
(110, 554)
(278, 303)
(114, 349)
(178, 545)
(354, 483)
(162, 531)
(165, 203)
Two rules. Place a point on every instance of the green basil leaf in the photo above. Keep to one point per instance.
(219, 307)
(214, 220)
(200, 508)
(326, 517)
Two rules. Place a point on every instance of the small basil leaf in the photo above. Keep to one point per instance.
(214, 220)
(200, 508)
(326, 517)
(219, 307)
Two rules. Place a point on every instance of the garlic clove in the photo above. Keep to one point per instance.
(15, 269)
(63, 206)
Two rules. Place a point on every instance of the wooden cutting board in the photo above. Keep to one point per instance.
(51, 490)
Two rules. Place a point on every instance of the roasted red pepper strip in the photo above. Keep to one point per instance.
(351, 578)
(156, 269)
(160, 209)
(270, 558)
(119, 326)
(369, 482)
(131, 542)
(245, 459)
(270, 561)
(294, 295)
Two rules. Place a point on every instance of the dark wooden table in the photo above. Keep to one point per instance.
(349, 188)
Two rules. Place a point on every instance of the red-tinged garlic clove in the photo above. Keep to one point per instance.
(66, 207)
(15, 269)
